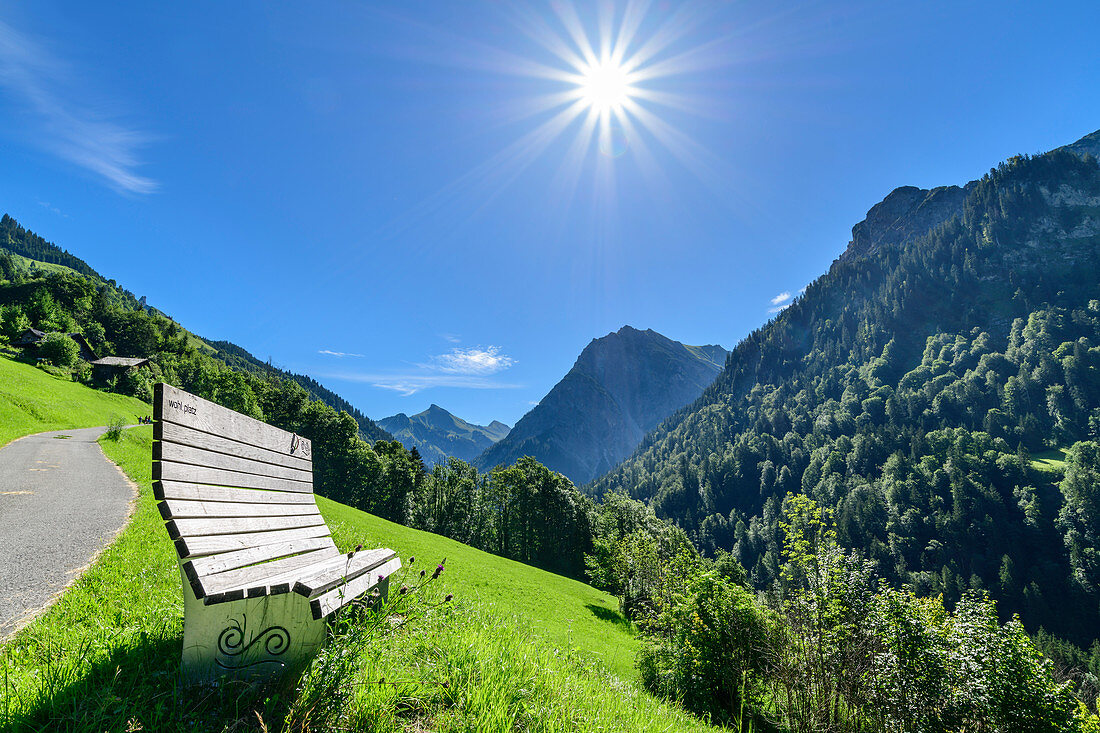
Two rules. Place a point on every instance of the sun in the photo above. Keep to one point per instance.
(604, 86)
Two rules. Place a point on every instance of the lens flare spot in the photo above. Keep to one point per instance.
(613, 141)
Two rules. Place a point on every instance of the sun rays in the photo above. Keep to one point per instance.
(617, 74)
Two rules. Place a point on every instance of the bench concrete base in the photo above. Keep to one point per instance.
(251, 639)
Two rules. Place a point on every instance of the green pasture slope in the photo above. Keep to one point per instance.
(32, 401)
(517, 649)
(1052, 461)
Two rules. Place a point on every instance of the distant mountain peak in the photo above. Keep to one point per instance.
(620, 386)
(437, 433)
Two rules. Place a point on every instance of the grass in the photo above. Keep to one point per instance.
(1051, 461)
(567, 612)
(519, 648)
(26, 263)
(32, 401)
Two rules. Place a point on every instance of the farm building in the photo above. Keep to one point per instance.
(115, 366)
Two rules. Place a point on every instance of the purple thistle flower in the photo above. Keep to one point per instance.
(449, 597)
(404, 589)
(438, 571)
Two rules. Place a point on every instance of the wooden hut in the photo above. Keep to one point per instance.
(115, 366)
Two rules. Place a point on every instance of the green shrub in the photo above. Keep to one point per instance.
(828, 649)
(114, 429)
(135, 382)
(61, 350)
(710, 650)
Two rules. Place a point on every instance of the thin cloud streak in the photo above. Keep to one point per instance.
(30, 74)
(338, 354)
(785, 295)
(409, 384)
(461, 368)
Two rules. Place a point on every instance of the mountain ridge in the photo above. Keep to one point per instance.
(621, 385)
(436, 434)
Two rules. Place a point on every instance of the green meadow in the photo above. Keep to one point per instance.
(1053, 460)
(33, 401)
(517, 649)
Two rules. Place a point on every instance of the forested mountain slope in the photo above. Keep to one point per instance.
(437, 434)
(905, 390)
(621, 386)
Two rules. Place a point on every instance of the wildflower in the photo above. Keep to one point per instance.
(449, 597)
(422, 573)
(357, 549)
(412, 559)
(438, 571)
(404, 589)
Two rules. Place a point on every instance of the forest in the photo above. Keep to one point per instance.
(908, 392)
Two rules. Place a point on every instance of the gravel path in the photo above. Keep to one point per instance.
(61, 502)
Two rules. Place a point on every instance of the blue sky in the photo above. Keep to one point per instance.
(378, 194)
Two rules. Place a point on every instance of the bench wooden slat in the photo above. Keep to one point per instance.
(172, 471)
(202, 492)
(191, 547)
(198, 457)
(175, 509)
(318, 580)
(182, 435)
(284, 581)
(233, 584)
(211, 564)
(195, 527)
(326, 603)
(179, 407)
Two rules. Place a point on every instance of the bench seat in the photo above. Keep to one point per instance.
(237, 500)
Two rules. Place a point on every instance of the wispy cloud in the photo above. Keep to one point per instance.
(339, 354)
(64, 127)
(410, 384)
(51, 208)
(450, 337)
(474, 360)
(783, 300)
(462, 368)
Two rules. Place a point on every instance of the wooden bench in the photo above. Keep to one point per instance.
(260, 570)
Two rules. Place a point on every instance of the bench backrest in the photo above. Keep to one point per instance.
(233, 491)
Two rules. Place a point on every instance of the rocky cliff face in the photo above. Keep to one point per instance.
(621, 386)
(907, 213)
(1089, 144)
(437, 434)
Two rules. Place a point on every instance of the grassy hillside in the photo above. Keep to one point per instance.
(26, 264)
(567, 612)
(32, 401)
(518, 649)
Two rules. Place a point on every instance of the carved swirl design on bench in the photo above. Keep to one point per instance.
(297, 445)
(274, 640)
